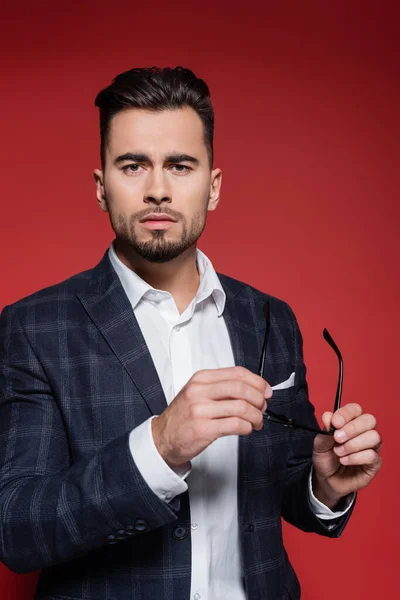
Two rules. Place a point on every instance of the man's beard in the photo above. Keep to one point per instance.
(158, 249)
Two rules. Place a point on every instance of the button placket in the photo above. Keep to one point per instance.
(200, 545)
(181, 357)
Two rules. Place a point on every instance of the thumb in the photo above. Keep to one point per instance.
(327, 420)
(322, 443)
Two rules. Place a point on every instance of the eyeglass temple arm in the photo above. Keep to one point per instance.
(265, 344)
(332, 344)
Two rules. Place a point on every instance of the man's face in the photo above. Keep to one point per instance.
(156, 164)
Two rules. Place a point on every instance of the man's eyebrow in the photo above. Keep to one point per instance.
(178, 158)
(170, 158)
(135, 157)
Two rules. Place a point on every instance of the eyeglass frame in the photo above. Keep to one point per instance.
(282, 419)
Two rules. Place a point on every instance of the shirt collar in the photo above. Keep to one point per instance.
(135, 287)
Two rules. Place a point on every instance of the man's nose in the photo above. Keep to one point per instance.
(157, 190)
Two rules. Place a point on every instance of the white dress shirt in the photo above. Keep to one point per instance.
(180, 345)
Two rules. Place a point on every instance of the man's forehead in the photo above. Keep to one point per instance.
(158, 132)
(144, 121)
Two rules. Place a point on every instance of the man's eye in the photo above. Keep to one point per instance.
(182, 168)
(132, 168)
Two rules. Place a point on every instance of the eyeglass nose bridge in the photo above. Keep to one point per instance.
(274, 417)
(278, 418)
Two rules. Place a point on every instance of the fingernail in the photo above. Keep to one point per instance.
(340, 436)
(265, 406)
(268, 391)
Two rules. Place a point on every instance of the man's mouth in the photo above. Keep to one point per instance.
(157, 221)
(157, 217)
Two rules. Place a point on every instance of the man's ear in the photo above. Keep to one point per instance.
(100, 193)
(215, 189)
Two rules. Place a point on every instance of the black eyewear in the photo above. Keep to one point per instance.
(282, 419)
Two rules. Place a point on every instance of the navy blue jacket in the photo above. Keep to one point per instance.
(76, 377)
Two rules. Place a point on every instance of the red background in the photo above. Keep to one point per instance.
(307, 131)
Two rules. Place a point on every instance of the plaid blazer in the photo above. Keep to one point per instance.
(76, 377)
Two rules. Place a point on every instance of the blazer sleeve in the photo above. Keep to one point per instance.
(296, 508)
(51, 508)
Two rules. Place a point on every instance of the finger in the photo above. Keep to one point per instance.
(323, 443)
(354, 428)
(368, 458)
(345, 414)
(236, 373)
(231, 426)
(234, 390)
(234, 408)
(366, 441)
(327, 420)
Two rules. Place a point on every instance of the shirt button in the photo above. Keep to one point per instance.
(177, 329)
(197, 597)
(195, 525)
(168, 496)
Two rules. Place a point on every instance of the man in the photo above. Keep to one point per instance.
(137, 460)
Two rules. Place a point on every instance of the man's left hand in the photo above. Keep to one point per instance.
(348, 461)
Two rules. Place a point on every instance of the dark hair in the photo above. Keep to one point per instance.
(155, 88)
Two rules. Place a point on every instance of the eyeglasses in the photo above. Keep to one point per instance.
(282, 419)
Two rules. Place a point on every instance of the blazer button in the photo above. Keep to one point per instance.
(121, 534)
(130, 530)
(251, 527)
(111, 539)
(180, 532)
(140, 525)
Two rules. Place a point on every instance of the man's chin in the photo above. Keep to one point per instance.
(158, 253)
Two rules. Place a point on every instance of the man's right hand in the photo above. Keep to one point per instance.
(214, 403)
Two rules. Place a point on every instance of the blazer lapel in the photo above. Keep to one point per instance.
(245, 330)
(245, 321)
(110, 310)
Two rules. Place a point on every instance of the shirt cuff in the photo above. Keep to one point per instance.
(165, 482)
(323, 512)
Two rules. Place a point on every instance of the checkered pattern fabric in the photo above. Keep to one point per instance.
(75, 378)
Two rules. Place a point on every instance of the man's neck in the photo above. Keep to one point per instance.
(180, 276)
